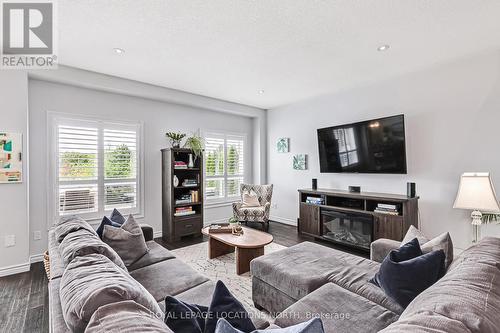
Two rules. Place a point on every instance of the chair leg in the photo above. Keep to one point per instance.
(266, 226)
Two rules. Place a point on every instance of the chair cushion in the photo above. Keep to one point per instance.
(125, 316)
(168, 277)
(250, 199)
(128, 240)
(83, 242)
(441, 242)
(340, 311)
(92, 281)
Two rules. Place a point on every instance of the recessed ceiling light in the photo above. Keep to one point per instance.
(383, 47)
(118, 50)
(261, 91)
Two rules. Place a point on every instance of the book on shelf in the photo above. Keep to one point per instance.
(315, 201)
(387, 206)
(386, 211)
(190, 183)
(183, 211)
(180, 165)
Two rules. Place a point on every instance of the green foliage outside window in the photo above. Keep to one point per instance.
(118, 163)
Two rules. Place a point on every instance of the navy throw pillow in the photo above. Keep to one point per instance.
(225, 305)
(184, 317)
(403, 281)
(116, 220)
(407, 251)
(117, 217)
(106, 221)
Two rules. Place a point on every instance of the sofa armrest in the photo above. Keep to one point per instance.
(147, 231)
(380, 248)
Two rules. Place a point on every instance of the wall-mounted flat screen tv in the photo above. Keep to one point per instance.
(373, 146)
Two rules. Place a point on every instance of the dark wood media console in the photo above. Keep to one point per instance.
(350, 218)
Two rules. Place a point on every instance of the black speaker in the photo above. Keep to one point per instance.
(355, 189)
(410, 190)
(314, 184)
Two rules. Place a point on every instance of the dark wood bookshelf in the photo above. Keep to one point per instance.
(176, 227)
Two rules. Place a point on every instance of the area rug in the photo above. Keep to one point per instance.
(223, 268)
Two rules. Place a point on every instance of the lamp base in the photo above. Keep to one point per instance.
(476, 225)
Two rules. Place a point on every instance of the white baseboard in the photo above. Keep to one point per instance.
(14, 269)
(157, 234)
(215, 221)
(283, 220)
(36, 258)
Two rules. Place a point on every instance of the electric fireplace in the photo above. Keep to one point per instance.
(346, 228)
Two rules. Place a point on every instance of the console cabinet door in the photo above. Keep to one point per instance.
(388, 226)
(309, 221)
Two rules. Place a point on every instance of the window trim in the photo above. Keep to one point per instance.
(53, 120)
(225, 201)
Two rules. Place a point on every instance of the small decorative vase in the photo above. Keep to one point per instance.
(191, 161)
(175, 143)
(237, 229)
(176, 181)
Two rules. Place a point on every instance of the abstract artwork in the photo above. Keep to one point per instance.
(283, 145)
(11, 165)
(300, 162)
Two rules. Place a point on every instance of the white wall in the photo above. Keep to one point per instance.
(452, 114)
(158, 118)
(14, 197)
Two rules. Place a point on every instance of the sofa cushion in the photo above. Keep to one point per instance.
(469, 293)
(487, 251)
(184, 317)
(155, 254)
(92, 281)
(81, 243)
(125, 316)
(404, 280)
(68, 224)
(312, 326)
(340, 311)
(300, 269)
(128, 240)
(441, 242)
(56, 261)
(426, 322)
(168, 277)
(106, 221)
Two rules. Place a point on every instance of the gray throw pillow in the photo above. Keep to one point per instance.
(125, 316)
(441, 242)
(128, 240)
(93, 281)
(314, 325)
(69, 224)
(83, 242)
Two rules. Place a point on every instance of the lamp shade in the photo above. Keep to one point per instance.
(476, 192)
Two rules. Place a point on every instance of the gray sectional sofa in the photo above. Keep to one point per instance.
(159, 272)
(309, 280)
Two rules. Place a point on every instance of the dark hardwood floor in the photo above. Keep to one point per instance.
(24, 297)
(24, 301)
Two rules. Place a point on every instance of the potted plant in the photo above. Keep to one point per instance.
(175, 138)
(195, 143)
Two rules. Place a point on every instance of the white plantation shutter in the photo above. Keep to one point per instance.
(78, 169)
(235, 166)
(224, 166)
(97, 167)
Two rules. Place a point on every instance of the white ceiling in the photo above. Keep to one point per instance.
(292, 49)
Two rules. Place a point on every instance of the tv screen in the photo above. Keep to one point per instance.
(374, 146)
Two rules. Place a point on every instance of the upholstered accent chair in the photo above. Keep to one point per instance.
(255, 214)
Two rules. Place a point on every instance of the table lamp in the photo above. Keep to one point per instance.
(476, 193)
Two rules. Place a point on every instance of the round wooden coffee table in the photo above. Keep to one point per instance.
(248, 246)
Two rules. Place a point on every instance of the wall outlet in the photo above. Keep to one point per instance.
(10, 240)
(37, 235)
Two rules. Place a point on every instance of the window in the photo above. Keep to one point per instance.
(224, 166)
(97, 167)
(347, 146)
